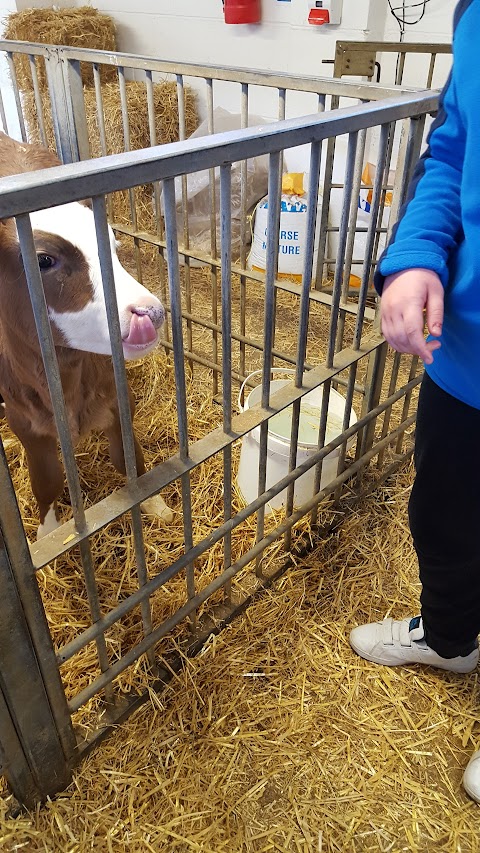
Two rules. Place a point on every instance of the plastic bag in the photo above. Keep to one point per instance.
(198, 192)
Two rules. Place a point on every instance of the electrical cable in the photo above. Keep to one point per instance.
(402, 14)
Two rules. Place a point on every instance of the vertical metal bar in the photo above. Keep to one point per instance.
(431, 69)
(406, 405)
(150, 108)
(314, 176)
(38, 100)
(13, 761)
(417, 126)
(273, 223)
(176, 309)
(47, 347)
(182, 128)
(342, 241)
(357, 180)
(243, 241)
(212, 199)
(3, 117)
(157, 207)
(322, 431)
(131, 191)
(372, 227)
(327, 189)
(371, 399)
(342, 450)
(76, 107)
(400, 170)
(101, 127)
(123, 400)
(21, 565)
(226, 254)
(99, 107)
(400, 69)
(22, 686)
(179, 369)
(313, 184)
(16, 94)
(65, 144)
(388, 412)
(383, 197)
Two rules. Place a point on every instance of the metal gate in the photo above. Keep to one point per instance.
(369, 58)
(39, 707)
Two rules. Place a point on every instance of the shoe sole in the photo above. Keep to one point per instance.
(381, 662)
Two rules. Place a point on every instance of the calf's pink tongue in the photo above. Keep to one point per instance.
(142, 331)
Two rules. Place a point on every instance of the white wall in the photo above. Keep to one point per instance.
(194, 31)
(435, 26)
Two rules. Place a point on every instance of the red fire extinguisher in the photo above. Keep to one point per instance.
(242, 11)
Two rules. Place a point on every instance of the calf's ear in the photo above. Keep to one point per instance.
(8, 233)
(10, 254)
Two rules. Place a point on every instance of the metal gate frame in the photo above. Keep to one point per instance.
(37, 743)
(39, 747)
(360, 58)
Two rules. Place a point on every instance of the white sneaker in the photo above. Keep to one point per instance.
(393, 643)
(471, 777)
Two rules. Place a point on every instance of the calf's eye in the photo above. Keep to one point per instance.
(45, 262)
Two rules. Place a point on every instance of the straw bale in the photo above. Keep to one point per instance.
(166, 126)
(84, 27)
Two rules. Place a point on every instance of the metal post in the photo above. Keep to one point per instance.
(23, 690)
(75, 105)
(67, 148)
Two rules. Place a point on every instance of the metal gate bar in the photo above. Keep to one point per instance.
(76, 181)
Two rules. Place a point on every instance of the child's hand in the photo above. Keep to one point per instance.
(404, 298)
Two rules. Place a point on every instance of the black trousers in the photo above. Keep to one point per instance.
(444, 514)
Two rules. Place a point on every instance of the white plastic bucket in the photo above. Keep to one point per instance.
(278, 444)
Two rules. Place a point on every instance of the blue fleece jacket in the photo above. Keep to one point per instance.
(439, 226)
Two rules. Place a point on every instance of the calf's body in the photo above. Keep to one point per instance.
(68, 259)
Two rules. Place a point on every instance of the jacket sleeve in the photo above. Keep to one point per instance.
(430, 223)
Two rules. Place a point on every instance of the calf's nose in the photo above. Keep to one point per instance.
(156, 313)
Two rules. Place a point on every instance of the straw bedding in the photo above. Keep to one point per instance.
(277, 738)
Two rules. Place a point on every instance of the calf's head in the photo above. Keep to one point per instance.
(67, 255)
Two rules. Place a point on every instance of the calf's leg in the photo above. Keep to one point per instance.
(46, 477)
(155, 505)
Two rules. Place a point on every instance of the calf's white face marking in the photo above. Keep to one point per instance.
(139, 310)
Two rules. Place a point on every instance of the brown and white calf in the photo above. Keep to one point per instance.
(67, 255)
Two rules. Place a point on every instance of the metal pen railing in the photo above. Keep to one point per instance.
(342, 360)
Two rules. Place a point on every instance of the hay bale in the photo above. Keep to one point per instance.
(166, 116)
(82, 27)
(166, 124)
